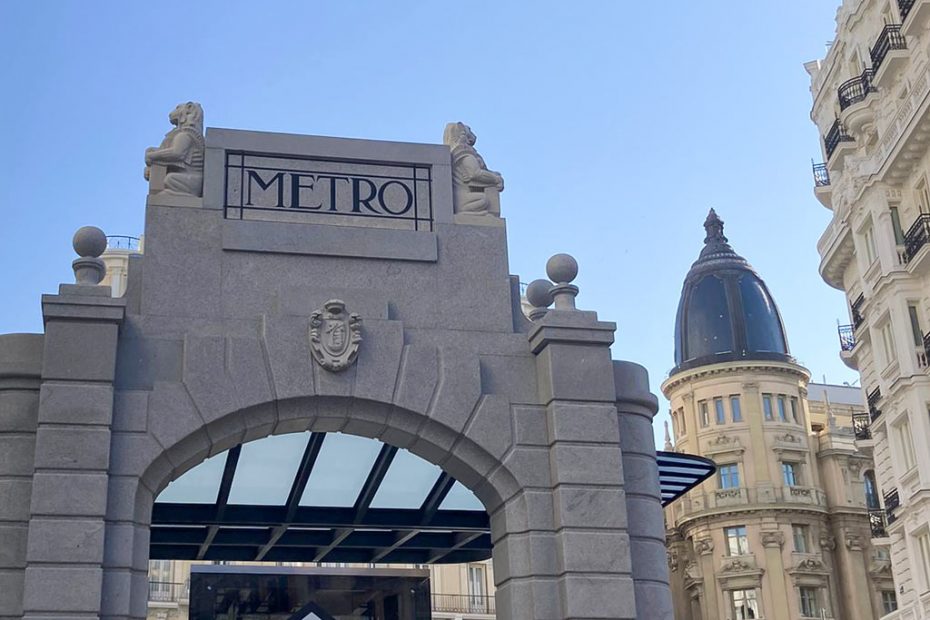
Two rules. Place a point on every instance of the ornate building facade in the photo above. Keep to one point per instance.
(781, 531)
(871, 105)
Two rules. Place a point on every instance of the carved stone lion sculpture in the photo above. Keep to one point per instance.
(475, 187)
(180, 153)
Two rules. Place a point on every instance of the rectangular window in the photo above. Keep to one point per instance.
(782, 414)
(729, 476)
(743, 604)
(476, 585)
(868, 238)
(889, 601)
(922, 196)
(789, 474)
(705, 416)
(810, 607)
(737, 542)
(915, 326)
(896, 225)
(735, 412)
(905, 443)
(767, 407)
(923, 543)
(794, 410)
(681, 420)
(801, 536)
(888, 343)
(718, 411)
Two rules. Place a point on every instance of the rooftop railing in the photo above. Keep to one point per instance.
(855, 90)
(834, 137)
(821, 174)
(847, 337)
(917, 235)
(122, 242)
(889, 39)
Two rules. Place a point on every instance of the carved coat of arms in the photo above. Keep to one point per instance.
(335, 335)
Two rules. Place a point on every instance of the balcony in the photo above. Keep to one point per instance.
(167, 592)
(835, 139)
(888, 54)
(915, 15)
(856, 310)
(463, 603)
(803, 495)
(915, 240)
(874, 397)
(926, 349)
(847, 337)
(122, 242)
(855, 90)
(861, 426)
(891, 501)
(877, 523)
(821, 174)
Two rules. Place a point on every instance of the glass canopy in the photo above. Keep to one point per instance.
(330, 497)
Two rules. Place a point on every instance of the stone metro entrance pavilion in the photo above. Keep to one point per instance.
(324, 286)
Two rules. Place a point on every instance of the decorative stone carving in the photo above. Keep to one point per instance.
(563, 269)
(704, 546)
(810, 564)
(853, 541)
(89, 243)
(827, 542)
(773, 539)
(335, 336)
(735, 566)
(476, 189)
(672, 560)
(539, 294)
(176, 166)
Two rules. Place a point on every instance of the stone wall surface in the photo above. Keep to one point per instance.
(210, 347)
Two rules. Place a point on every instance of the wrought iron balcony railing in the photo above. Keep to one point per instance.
(861, 425)
(892, 501)
(847, 337)
(821, 174)
(917, 235)
(904, 7)
(856, 311)
(889, 39)
(877, 523)
(834, 137)
(855, 90)
(463, 603)
(873, 399)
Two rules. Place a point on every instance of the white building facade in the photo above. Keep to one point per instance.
(871, 106)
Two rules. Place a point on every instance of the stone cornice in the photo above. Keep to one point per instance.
(731, 368)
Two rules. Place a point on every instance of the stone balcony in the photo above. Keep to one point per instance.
(696, 503)
(802, 495)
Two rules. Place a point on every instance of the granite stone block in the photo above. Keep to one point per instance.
(72, 448)
(77, 541)
(417, 378)
(16, 455)
(459, 388)
(490, 426)
(18, 411)
(378, 359)
(586, 464)
(594, 552)
(130, 410)
(141, 362)
(15, 496)
(69, 403)
(11, 593)
(13, 549)
(69, 494)
(116, 593)
(76, 589)
(583, 422)
(583, 506)
(67, 345)
(596, 596)
(530, 425)
(288, 346)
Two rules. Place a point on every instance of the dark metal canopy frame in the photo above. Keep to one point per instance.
(427, 534)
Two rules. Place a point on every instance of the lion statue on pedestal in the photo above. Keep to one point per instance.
(475, 187)
(181, 152)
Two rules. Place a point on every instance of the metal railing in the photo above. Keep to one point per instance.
(855, 90)
(917, 235)
(861, 425)
(122, 242)
(873, 399)
(904, 7)
(889, 39)
(847, 337)
(835, 135)
(856, 310)
(821, 174)
(877, 523)
(168, 592)
(463, 603)
(891, 501)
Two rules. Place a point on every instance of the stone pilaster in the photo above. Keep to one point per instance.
(576, 385)
(20, 371)
(64, 553)
(636, 407)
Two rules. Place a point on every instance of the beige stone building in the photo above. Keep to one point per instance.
(781, 531)
(871, 97)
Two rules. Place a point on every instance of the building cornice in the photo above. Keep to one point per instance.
(733, 368)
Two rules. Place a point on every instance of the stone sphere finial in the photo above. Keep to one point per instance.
(539, 294)
(562, 268)
(89, 242)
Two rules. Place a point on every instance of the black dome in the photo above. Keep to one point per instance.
(726, 312)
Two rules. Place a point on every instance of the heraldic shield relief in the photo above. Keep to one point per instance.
(335, 335)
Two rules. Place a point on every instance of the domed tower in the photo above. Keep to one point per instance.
(756, 540)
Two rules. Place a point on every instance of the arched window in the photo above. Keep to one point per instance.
(871, 491)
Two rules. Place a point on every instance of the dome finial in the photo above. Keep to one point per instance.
(714, 227)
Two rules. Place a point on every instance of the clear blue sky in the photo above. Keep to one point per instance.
(616, 126)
